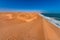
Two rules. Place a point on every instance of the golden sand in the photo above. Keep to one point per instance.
(26, 26)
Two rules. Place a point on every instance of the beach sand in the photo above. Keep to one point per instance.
(26, 26)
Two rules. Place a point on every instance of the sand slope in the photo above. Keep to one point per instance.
(26, 26)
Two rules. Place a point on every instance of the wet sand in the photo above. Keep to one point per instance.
(26, 26)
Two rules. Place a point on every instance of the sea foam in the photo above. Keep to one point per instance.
(52, 20)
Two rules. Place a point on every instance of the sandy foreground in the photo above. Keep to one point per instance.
(26, 26)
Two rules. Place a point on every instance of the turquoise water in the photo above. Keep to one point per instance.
(56, 15)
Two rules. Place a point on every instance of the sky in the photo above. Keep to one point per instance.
(50, 6)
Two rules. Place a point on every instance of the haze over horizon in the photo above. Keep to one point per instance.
(45, 6)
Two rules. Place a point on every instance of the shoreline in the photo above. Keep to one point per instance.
(49, 20)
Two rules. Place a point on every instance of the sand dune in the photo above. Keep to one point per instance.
(26, 26)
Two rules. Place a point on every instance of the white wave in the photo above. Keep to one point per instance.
(52, 20)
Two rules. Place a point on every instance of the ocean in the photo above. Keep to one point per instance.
(52, 15)
(53, 18)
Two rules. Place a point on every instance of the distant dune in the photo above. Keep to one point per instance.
(26, 26)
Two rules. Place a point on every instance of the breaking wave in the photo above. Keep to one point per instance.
(52, 20)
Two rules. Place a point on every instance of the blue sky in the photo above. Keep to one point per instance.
(50, 6)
